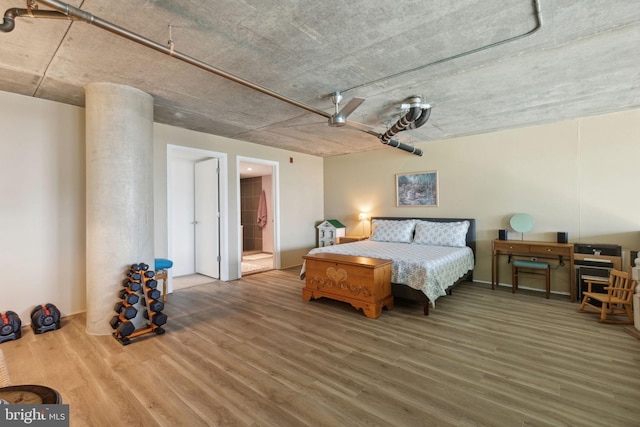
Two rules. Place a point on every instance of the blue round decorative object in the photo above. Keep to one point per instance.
(522, 222)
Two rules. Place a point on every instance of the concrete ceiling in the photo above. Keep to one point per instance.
(584, 60)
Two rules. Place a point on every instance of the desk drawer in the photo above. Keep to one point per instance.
(549, 250)
(510, 247)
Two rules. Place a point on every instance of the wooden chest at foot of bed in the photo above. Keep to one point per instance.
(365, 283)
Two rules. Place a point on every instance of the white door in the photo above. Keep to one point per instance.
(207, 218)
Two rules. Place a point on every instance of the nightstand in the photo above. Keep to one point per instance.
(349, 239)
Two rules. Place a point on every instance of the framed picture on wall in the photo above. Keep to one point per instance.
(417, 189)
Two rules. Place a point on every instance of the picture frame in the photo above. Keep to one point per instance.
(417, 189)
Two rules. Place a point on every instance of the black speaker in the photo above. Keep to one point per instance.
(502, 234)
(563, 237)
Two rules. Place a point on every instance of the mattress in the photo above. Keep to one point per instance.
(430, 269)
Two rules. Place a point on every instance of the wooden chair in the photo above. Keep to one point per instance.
(617, 300)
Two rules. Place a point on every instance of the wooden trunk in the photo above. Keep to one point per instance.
(365, 283)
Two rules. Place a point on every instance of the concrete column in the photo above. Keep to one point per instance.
(119, 205)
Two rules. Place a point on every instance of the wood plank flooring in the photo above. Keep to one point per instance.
(253, 353)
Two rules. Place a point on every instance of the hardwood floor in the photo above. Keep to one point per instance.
(253, 353)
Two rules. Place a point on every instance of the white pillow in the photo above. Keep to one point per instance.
(392, 231)
(441, 233)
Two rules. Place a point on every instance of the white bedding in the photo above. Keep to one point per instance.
(430, 269)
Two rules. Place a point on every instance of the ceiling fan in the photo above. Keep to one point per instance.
(340, 117)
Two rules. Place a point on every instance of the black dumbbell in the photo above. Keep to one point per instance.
(10, 323)
(152, 284)
(153, 294)
(126, 311)
(134, 275)
(142, 266)
(149, 274)
(125, 329)
(128, 297)
(45, 316)
(157, 319)
(156, 305)
(131, 285)
(134, 267)
(115, 321)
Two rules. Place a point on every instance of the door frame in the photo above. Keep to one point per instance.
(223, 194)
(275, 202)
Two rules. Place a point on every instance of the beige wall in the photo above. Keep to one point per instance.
(577, 176)
(42, 205)
(42, 196)
(301, 188)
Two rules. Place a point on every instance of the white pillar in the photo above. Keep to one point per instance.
(119, 205)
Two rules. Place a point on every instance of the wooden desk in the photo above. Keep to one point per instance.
(563, 252)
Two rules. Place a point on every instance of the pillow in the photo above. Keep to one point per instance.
(441, 233)
(392, 231)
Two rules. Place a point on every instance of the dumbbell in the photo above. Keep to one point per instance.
(45, 318)
(134, 267)
(151, 284)
(115, 321)
(133, 286)
(153, 294)
(157, 319)
(127, 312)
(133, 275)
(149, 274)
(142, 266)
(128, 297)
(10, 325)
(125, 329)
(156, 305)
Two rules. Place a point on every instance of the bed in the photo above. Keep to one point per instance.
(429, 255)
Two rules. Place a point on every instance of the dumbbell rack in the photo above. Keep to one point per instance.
(140, 287)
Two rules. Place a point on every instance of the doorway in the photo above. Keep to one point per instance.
(258, 244)
(194, 235)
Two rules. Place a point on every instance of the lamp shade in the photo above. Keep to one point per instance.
(362, 216)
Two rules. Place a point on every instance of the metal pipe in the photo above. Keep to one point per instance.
(9, 23)
(536, 4)
(64, 10)
(401, 124)
(79, 14)
(424, 116)
(405, 147)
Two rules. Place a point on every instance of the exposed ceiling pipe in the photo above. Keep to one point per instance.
(536, 5)
(9, 23)
(66, 11)
(414, 118)
(74, 13)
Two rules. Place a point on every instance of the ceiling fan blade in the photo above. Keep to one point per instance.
(351, 106)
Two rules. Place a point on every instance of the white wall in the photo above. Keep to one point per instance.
(577, 176)
(42, 205)
(42, 200)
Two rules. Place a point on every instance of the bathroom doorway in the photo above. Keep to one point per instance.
(258, 216)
